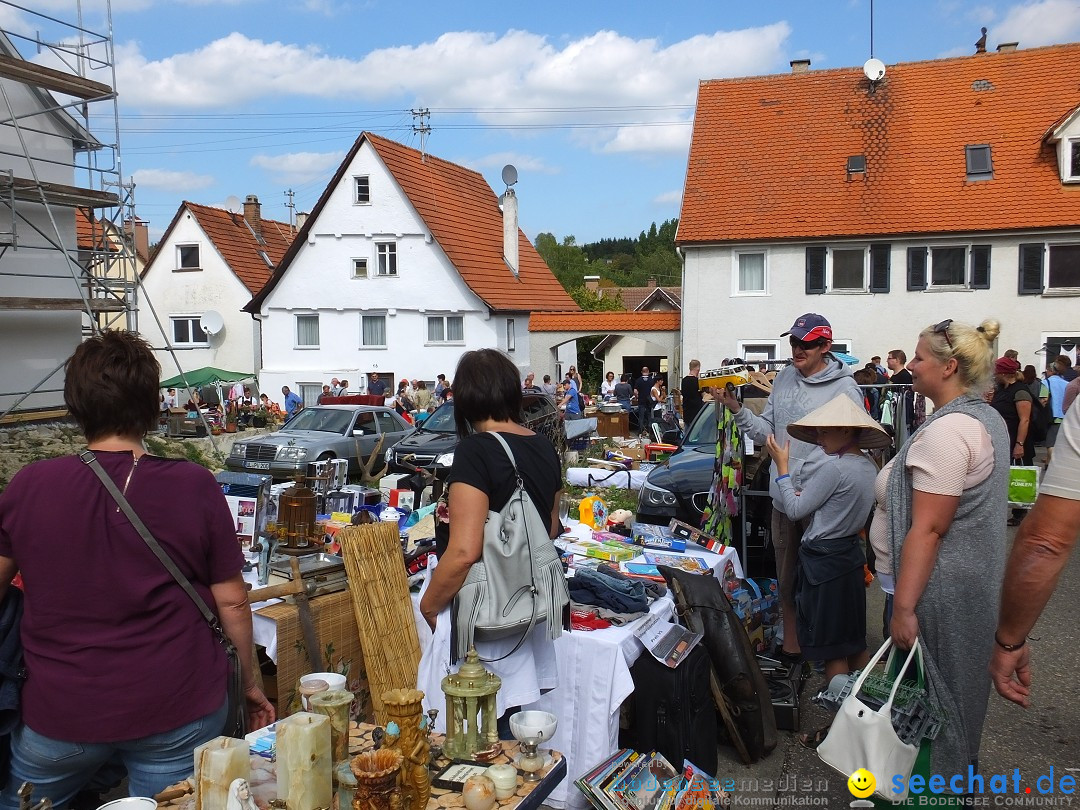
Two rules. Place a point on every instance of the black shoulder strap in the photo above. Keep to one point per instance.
(90, 460)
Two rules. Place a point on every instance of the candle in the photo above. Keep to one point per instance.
(335, 705)
(303, 761)
(217, 764)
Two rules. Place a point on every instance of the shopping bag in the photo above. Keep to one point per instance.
(862, 737)
(1023, 484)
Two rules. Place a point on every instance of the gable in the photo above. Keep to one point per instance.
(768, 157)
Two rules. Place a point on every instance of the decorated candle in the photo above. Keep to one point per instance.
(303, 761)
(217, 764)
(335, 705)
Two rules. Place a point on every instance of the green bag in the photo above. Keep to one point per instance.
(1023, 485)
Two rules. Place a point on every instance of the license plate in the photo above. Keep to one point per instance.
(257, 465)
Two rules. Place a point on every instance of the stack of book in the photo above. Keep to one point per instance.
(630, 780)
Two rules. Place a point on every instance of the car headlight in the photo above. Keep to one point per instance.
(445, 460)
(388, 456)
(287, 453)
(655, 496)
(238, 451)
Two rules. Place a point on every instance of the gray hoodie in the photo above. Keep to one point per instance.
(793, 397)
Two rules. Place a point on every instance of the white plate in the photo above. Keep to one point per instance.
(130, 803)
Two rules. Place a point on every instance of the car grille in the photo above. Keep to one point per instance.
(261, 452)
(414, 459)
(700, 500)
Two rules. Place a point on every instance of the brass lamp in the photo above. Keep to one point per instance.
(471, 716)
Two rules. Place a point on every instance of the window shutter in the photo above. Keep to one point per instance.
(815, 270)
(879, 268)
(980, 267)
(1031, 268)
(916, 268)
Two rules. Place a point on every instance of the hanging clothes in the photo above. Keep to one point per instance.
(727, 478)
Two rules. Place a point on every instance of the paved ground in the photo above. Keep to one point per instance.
(1047, 734)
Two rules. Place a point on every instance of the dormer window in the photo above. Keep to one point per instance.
(980, 165)
(1074, 159)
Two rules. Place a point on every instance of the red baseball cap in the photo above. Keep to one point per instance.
(810, 326)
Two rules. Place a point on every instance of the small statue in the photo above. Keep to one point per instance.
(415, 778)
(377, 738)
(240, 797)
(435, 748)
(390, 737)
(980, 46)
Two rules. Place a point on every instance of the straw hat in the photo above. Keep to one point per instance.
(841, 411)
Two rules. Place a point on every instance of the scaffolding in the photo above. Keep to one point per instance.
(68, 230)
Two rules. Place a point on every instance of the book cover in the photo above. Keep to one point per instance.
(645, 790)
(643, 571)
(611, 554)
(696, 790)
(693, 565)
(586, 784)
(604, 786)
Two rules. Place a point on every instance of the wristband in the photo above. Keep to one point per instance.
(780, 478)
(1009, 647)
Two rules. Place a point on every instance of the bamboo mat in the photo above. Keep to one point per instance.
(384, 614)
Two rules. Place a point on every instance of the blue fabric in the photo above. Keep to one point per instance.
(572, 408)
(292, 403)
(588, 587)
(1056, 383)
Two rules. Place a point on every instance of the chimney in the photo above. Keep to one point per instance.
(301, 218)
(139, 232)
(799, 65)
(592, 283)
(252, 213)
(652, 283)
(1008, 47)
(510, 229)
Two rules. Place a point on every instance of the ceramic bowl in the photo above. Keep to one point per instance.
(130, 803)
(529, 724)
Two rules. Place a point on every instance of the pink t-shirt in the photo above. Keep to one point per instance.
(115, 650)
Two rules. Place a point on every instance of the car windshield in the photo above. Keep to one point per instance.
(442, 421)
(703, 429)
(323, 420)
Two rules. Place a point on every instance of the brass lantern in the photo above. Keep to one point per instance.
(471, 716)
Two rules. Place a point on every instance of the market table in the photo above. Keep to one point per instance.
(529, 795)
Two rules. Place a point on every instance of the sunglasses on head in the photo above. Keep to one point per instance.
(943, 330)
(806, 345)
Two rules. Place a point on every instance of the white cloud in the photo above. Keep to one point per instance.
(670, 138)
(523, 163)
(668, 197)
(518, 78)
(169, 180)
(299, 167)
(1043, 22)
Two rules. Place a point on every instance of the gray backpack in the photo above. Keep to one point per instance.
(517, 583)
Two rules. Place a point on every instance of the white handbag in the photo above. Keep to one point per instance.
(862, 737)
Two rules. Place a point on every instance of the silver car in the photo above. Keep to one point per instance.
(317, 433)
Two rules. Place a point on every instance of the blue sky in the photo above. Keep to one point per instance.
(592, 101)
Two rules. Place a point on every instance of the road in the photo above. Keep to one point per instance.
(1032, 740)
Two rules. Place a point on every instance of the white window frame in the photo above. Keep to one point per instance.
(296, 331)
(1047, 289)
(180, 268)
(969, 152)
(357, 263)
(364, 345)
(428, 341)
(357, 178)
(386, 259)
(965, 284)
(736, 274)
(865, 270)
(511, 334)
(194, 328)
(1072, 149)
(742, 346)
(309, 393)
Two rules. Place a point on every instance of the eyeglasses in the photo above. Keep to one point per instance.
(943, 330)
(806, 345)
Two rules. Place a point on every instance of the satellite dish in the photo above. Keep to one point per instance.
(874, 70)
(509, 174)
(212, 322)
(233, 204)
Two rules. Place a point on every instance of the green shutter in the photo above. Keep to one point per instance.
(980, 267)
(815, 270)
(916, 268)
(1031, 268)
(880, 268)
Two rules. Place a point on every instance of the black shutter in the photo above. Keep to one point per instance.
(916, 268)
(980, 267)
(815, 271)
(880, 268)
(1031, 268)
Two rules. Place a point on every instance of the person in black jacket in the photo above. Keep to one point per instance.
(643, 388)
(692, 401)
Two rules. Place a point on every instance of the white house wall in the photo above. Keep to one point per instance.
(718, 324)
(192, 293)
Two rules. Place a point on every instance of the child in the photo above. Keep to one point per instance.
(836, 494)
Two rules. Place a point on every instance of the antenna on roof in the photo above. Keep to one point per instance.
(422, 129)
(233, 204)
(509, 175)
(874, 70)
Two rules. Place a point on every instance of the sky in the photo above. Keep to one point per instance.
(592, 101)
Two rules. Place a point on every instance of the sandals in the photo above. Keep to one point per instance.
(812, 740)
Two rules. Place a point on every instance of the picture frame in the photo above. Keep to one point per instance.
(453, 776)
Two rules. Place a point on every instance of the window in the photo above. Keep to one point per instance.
(750, 273)
(980, 165)
(848, 269)
(964, 266)
(754, 352)
(1060, 263)
(359, 268)
(188, 331)
(387, 423)
(511, 335)
(1064, 267)
(856, 164)
(387, 253)
(361, 190)
(307, 332)
(845, 269)
(373, 331)
(309, 393)
(1074, 159)
(187, 258)
(947, 266)
(445, 329)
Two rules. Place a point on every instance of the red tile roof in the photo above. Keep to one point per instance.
(601, 322)
(463, 214)
(768, 155)
(97, 235)
(236, 242)
(634, 297)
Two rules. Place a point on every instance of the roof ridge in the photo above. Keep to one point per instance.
(206, 207)
(424, 157)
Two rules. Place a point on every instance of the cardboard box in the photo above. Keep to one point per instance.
(389, 482)
(613, 424)
(402, 498)
(694, 535)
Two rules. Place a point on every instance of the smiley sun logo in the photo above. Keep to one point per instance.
(861, 783)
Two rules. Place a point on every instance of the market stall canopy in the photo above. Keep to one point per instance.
(206, 376)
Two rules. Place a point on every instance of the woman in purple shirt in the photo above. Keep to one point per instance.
(120, 663)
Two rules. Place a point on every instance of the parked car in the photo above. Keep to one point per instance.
(431, 447)
(679, 487)
(317, 433)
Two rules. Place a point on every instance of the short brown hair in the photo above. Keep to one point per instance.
(111, 385)
(899, 354)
